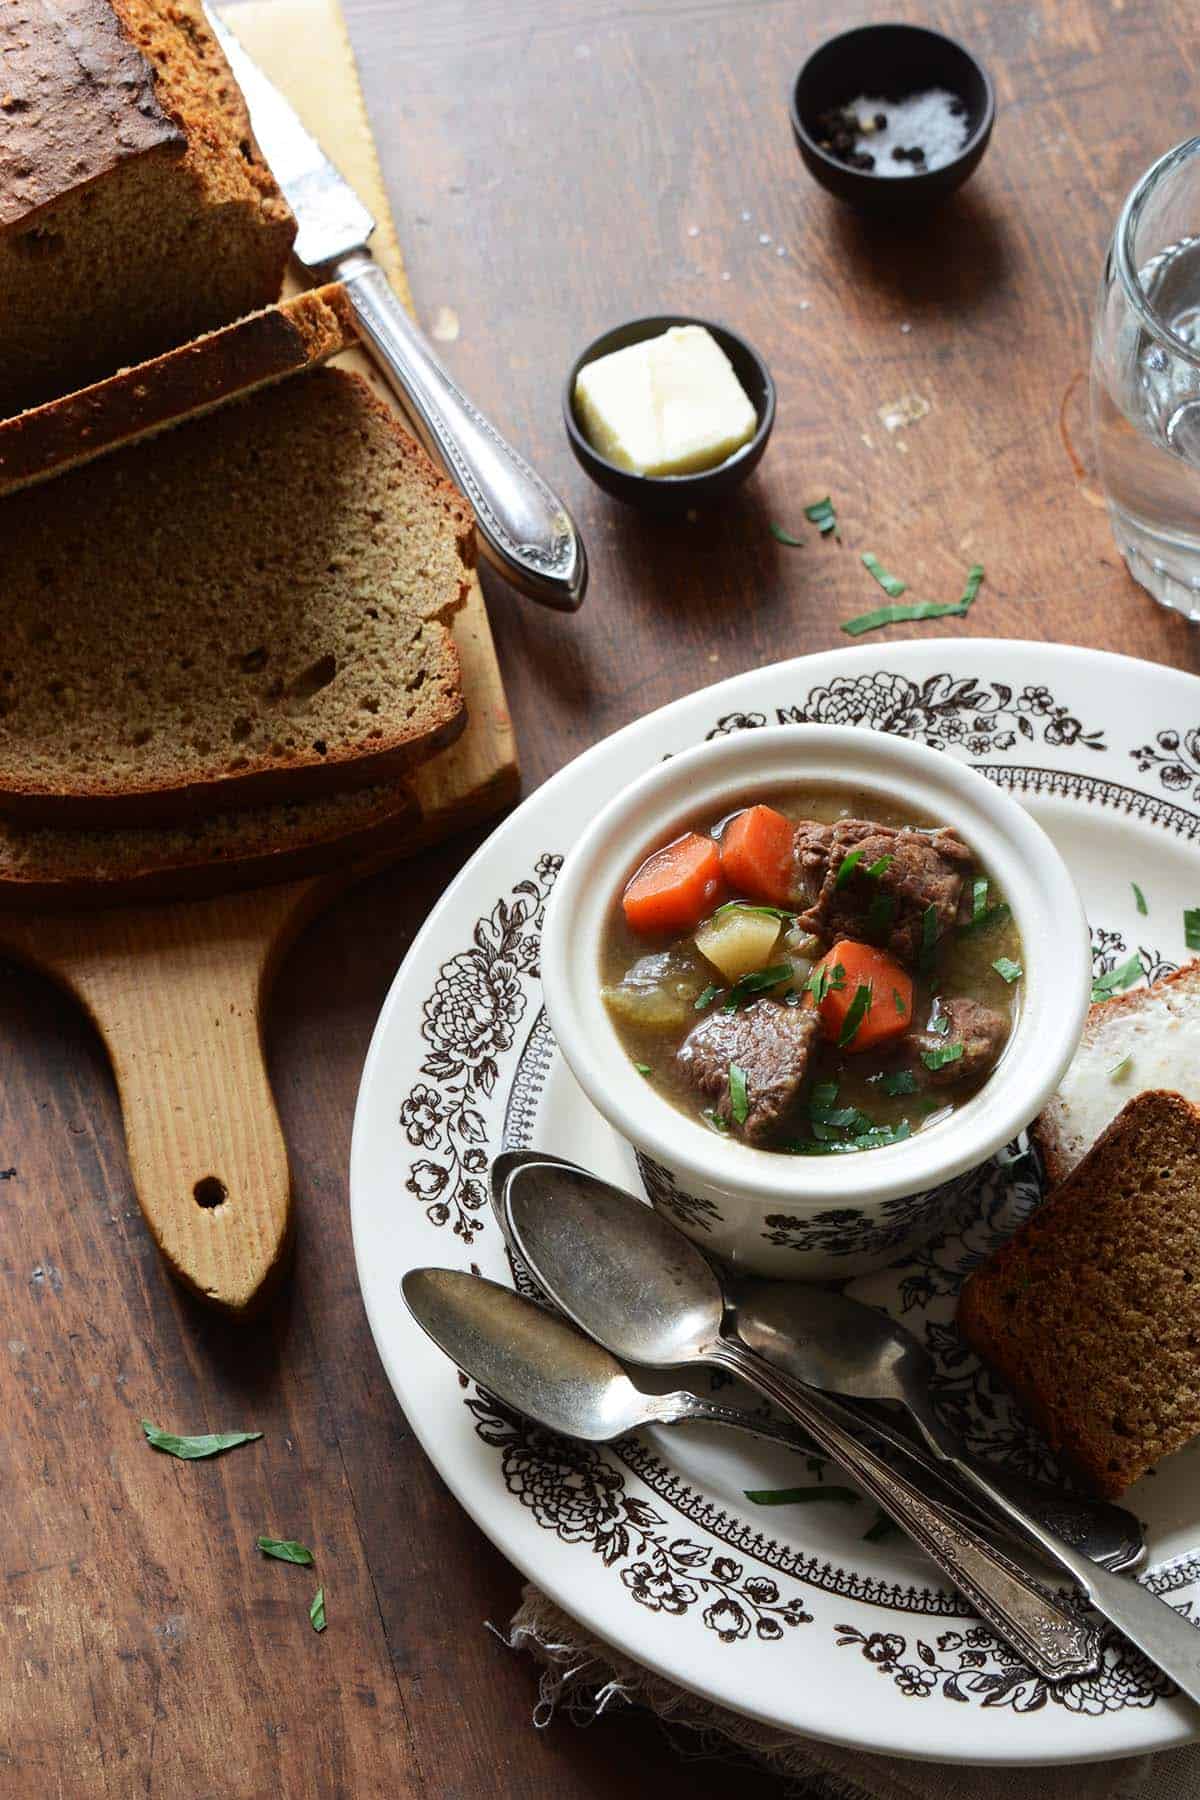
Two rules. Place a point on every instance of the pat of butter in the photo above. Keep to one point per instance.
(670, 405)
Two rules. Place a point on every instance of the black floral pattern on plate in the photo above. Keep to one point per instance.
(574, 1492)
(469, 1023)
(1176, 757)
(979, 717)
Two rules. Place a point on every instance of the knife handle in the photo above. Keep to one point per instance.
(525, 530)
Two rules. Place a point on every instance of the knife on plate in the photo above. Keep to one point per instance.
(525, 530)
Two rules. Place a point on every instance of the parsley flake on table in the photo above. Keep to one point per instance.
(1191, 927)
(189, 1449)
(821, 514)
(316, 1612)
(1140, 898)
(785, 537)
(286, 1550)
(891, 584)
(914, 611)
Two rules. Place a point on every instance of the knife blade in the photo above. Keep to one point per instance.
(525, 531)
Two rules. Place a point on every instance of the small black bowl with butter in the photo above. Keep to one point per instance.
(674, 493)
(893, 64)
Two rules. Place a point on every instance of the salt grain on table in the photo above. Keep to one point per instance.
(934, 122)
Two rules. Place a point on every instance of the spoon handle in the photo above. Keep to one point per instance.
(1055, 1642)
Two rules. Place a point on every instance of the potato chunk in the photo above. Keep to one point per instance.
(738, 941)
(657, 994)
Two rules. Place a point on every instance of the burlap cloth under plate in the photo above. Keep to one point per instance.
(584, 1679)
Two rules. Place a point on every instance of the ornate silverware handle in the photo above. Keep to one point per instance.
(525, 530)
(1052, 1640)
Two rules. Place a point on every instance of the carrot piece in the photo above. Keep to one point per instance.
(675, 887)
(889, 1013)
(757, 854)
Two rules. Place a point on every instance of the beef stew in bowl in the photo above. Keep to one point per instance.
(814, 973)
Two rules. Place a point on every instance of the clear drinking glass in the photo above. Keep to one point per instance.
(1146, 380)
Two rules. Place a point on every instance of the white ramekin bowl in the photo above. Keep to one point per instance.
(816, 1218)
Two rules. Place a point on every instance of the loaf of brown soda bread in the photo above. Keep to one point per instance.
(1091, 1312)
(136, 209)
(252, 608)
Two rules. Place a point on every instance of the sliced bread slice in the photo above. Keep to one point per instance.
(223, 365)
(1091, 1312)
(1148, 1038)
(82, 870)
(251, 608)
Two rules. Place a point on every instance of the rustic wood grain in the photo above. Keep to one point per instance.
(545, 164)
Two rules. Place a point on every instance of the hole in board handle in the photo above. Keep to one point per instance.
(210, 1192)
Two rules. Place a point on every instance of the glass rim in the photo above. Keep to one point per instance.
(1127, 223)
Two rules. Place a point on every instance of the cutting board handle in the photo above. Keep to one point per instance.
(177, 994)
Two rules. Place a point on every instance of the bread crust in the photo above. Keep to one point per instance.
(1061, 1310)
(223, 365)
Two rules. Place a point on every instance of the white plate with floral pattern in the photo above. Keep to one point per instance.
(802, 1614)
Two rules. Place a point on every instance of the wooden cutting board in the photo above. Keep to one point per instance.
(178, 992)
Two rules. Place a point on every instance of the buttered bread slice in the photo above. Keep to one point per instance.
(251, 608)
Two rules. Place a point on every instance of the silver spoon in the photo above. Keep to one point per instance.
(541, 1366)
(771, 1316)
(547, 1369)
(647, 1294)
(843, 1347)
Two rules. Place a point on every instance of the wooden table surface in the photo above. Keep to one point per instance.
(553, 169)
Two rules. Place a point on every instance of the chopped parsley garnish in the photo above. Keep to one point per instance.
(1131, 970)
(188, 1449)
(873, 1139)
(941, 1055)
(756, 983)
(994, 915)
(898, 1002)
(891, 584)
(1140, 898)
(1191, 927)
(848, 865)
(1119, 1068)
(973, 584)
(739, 1099)
(860, 1006)
(940, 1021)
(916, 610)
(979, 894)
(900, 1081)
(843, 1496)
(785, 537)
(752, 906)
(878, 866)
(825, 980)
(880, 914)
(714, 1119)
(1007, 969)
(821, 514)
(823, 1096)
(316, 1612)
(643, 1068)
(929, 938)
(286, 1550)
(707, 997)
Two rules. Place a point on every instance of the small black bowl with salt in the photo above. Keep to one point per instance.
(892, 118)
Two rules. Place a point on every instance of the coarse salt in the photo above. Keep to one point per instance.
(923, 120)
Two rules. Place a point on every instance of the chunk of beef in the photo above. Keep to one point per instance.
(771, 1042)
(981, 1032)
(927, 868)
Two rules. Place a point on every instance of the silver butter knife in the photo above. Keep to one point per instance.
(525, 530)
